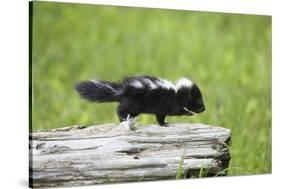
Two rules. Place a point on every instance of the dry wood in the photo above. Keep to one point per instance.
(109, 153)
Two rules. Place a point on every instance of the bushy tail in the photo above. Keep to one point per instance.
(99, 91)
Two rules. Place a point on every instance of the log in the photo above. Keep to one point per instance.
(110, 153)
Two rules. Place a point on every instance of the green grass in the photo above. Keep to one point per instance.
(180, 171)
(227, 55)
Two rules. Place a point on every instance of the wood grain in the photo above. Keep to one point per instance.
(109, 153)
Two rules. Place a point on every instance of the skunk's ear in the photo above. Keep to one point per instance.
(195, 92)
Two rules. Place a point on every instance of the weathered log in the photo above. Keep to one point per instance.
(109, 153)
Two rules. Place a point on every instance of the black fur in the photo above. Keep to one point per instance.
(144, 94)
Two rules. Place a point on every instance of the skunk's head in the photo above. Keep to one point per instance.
(189, 97)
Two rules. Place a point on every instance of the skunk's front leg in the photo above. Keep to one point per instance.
(124, 113)
(161, 120)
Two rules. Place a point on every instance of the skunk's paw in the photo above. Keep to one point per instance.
(129, 123)
(165, 124)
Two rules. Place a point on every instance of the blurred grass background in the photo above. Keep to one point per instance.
(227, 55)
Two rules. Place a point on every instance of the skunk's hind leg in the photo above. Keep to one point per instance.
(161, 120)
(124, 113)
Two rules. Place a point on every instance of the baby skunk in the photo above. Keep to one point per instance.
(145, 94)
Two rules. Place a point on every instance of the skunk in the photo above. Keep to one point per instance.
(145, 94)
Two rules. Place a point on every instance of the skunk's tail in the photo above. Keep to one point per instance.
(99, 91)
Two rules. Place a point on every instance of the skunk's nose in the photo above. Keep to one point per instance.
(202, 109)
